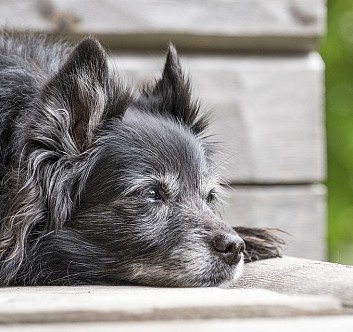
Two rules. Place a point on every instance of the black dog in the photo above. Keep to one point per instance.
(98, 186)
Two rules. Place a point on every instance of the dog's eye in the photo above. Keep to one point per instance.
(211, 197)
(153, 195)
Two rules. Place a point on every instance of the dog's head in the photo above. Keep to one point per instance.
(131, 188)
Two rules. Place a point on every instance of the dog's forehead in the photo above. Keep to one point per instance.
(163, 146)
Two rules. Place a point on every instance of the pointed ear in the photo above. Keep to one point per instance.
(171, 95)
(83, 88)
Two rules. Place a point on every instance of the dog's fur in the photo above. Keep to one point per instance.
(98, 186)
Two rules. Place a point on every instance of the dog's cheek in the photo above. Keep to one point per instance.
(140, 229)
(153, 223)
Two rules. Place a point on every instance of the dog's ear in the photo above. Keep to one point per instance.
(84, 89)
(171, 95)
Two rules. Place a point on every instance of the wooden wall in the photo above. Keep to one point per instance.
(253, 62)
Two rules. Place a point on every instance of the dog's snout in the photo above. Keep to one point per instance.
(229, 247)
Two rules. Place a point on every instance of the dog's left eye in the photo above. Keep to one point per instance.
(211, 197)
(153, 195)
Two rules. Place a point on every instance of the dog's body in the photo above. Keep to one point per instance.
(99, 186)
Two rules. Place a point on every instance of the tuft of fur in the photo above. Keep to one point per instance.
(100, 186)
(261, 242)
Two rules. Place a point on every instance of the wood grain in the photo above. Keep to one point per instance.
(97, 303)
(290, 275)
(295, 324)
(205, 25)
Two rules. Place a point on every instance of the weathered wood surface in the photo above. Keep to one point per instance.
(267, 111)
(290, 275)
(97, 303)
(208, 25)
(298, 210)
(302, 324)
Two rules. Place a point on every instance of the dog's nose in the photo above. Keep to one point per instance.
(229, 247)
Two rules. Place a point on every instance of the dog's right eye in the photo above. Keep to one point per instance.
(153, 195)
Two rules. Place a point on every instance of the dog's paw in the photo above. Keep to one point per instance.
(261, 243)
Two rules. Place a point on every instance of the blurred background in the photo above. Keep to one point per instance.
(336, 49)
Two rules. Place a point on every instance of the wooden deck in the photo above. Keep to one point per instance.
(303, 324)
(282, 294)
(152, 306)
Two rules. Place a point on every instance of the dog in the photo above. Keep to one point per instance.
(102, 185)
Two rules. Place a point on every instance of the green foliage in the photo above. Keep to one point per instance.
(337, 52)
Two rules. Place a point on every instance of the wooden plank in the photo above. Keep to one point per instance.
(298, 210)
(98, 303)
(303, 324)
(267, 111)
(208, 25)
(290, 275)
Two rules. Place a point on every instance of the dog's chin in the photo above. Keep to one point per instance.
(216, 276)
(225, 277)
(238, 271)
(222, 276)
